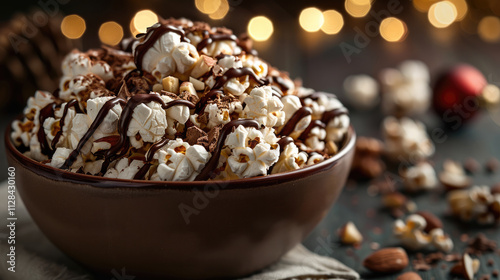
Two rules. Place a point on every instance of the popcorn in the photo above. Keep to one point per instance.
(291, 104)
(252, 152)
(405, 139)
(419, 177)
(478, 204)
(124, 170)
(362, 91)
(110, 110)
(412, 235)
(179, 161)
(78, 63)
(453, 176)
(290, 159)
(406, 90)
(265, 108)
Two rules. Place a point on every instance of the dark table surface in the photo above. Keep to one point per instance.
(479, 140)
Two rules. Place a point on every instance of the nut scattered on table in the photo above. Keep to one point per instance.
(409, 276)
(453, 176)
(466, 268)
(432, 220)
(412, 235)
(419, 177)
(387, 260)
(471, 165)
(478, 204)
(367, 163)
(350, 235)
(398, 204)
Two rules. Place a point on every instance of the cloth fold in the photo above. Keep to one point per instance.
(38, 259)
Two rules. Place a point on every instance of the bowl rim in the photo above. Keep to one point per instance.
(242, 183)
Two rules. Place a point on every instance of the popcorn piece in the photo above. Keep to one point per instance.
(257, 65)
(291, 104)
(265, 108)
(315, 140)
(477, 204)
(222, 115)
(179, 161)
(124, 170)
(406, 90)
(222, 46)
(82, 87)
(419, 177)
(109, 124)
(149, 120)
(252, 152)
(315, 158)
(412, 236)
(453, 176)
(59, 157)
(171, 84)
(290, 159)
(405, 139)
(362, 91)
(78, 63)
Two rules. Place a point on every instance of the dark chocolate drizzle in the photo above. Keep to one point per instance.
(45, 113)
(152, 35)
(155, 147)
(289, 127)
(283, 142)
(210, 38)
(142, 172)
(211, 165)
(236, 73)
(276, 91)
(316, 123)
(330, 115)
(72, 103)
(280, 82)
(93, 127)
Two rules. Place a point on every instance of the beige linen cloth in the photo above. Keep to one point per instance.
(38, 259)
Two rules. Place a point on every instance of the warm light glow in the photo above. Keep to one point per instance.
(442, 14)
(311, 19)
(489, 29)
(142, 20)
(260, 28)
(73, 26)
(208, 6)
(357, 8)
(462, 8)
(393, 29)
(423, 5)
(110, 33)
(221, 11)
(333, 22)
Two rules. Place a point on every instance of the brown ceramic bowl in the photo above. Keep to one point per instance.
(228, 229)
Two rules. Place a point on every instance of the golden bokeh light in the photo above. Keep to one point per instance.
(260, 28)
(462, 8)
(221, 11)
(393, 29)
(142, 20)
(442, 14)
(73, 26)
(333, 22)
(110, 33)
(357, 8)
(208, 6)
(489, 29)
(311, 19)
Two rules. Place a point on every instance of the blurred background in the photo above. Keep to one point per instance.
(322, 42)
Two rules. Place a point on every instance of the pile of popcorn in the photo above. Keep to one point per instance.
(478, 204)
(184, 101)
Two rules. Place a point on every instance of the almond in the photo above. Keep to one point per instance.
(394, 200)
(350, 235)
(466, 268)
(431, 219)
(387, 260)
(409, 276)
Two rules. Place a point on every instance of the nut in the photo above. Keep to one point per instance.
(331, 147)
(171, 84)
(431, 219)
(466, 268)
(350, 235)
(202, 66)
(187, 87)
(409, 276)
(197, 84)
(394, 200)
(157, 87)
(387, 260)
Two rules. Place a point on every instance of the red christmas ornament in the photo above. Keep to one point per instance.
(459, 92)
